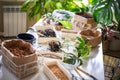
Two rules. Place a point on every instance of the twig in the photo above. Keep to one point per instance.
(79, 73)
(87, 73)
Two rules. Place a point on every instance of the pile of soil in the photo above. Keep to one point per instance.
(19, 48)
(84, 14)
(48, 33)
(89, 32)
(58, 72)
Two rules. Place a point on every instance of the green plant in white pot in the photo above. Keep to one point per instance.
(106, 12)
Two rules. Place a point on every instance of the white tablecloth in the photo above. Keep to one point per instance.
(93, 65)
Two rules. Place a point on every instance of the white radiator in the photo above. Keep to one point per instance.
(14, 20)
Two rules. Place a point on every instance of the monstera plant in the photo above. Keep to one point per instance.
(106, 12)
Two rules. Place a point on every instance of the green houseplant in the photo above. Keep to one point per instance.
(41, 7)
(81, 50)
(106, 12)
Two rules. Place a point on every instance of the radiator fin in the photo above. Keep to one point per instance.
(14, 20)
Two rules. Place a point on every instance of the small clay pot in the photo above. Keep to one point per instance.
(26, 37)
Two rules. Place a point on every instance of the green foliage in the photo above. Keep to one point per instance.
(106, 11)
(34, 7)
(70, 58)
(41, 7)
(66, 24)
(82, 50)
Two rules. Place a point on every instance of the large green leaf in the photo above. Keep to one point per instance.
(75, 9)
(82, 49)
(81, 41)
(70, 58)
(116, 11)
(59, 5)
(93, 2)
(25, 6)
(111, 15)
(86, 51)
(101, 4)
(47, 3)
(98, 15)
(37, 8)
(66, 24)
(108, 18)
(103, 12)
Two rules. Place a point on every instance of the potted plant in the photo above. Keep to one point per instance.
(106, 35)
(106, 12)
(80, 51)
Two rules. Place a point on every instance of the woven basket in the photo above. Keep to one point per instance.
(93, 37)
(83, 18)
(20, 66)
(51, 75)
